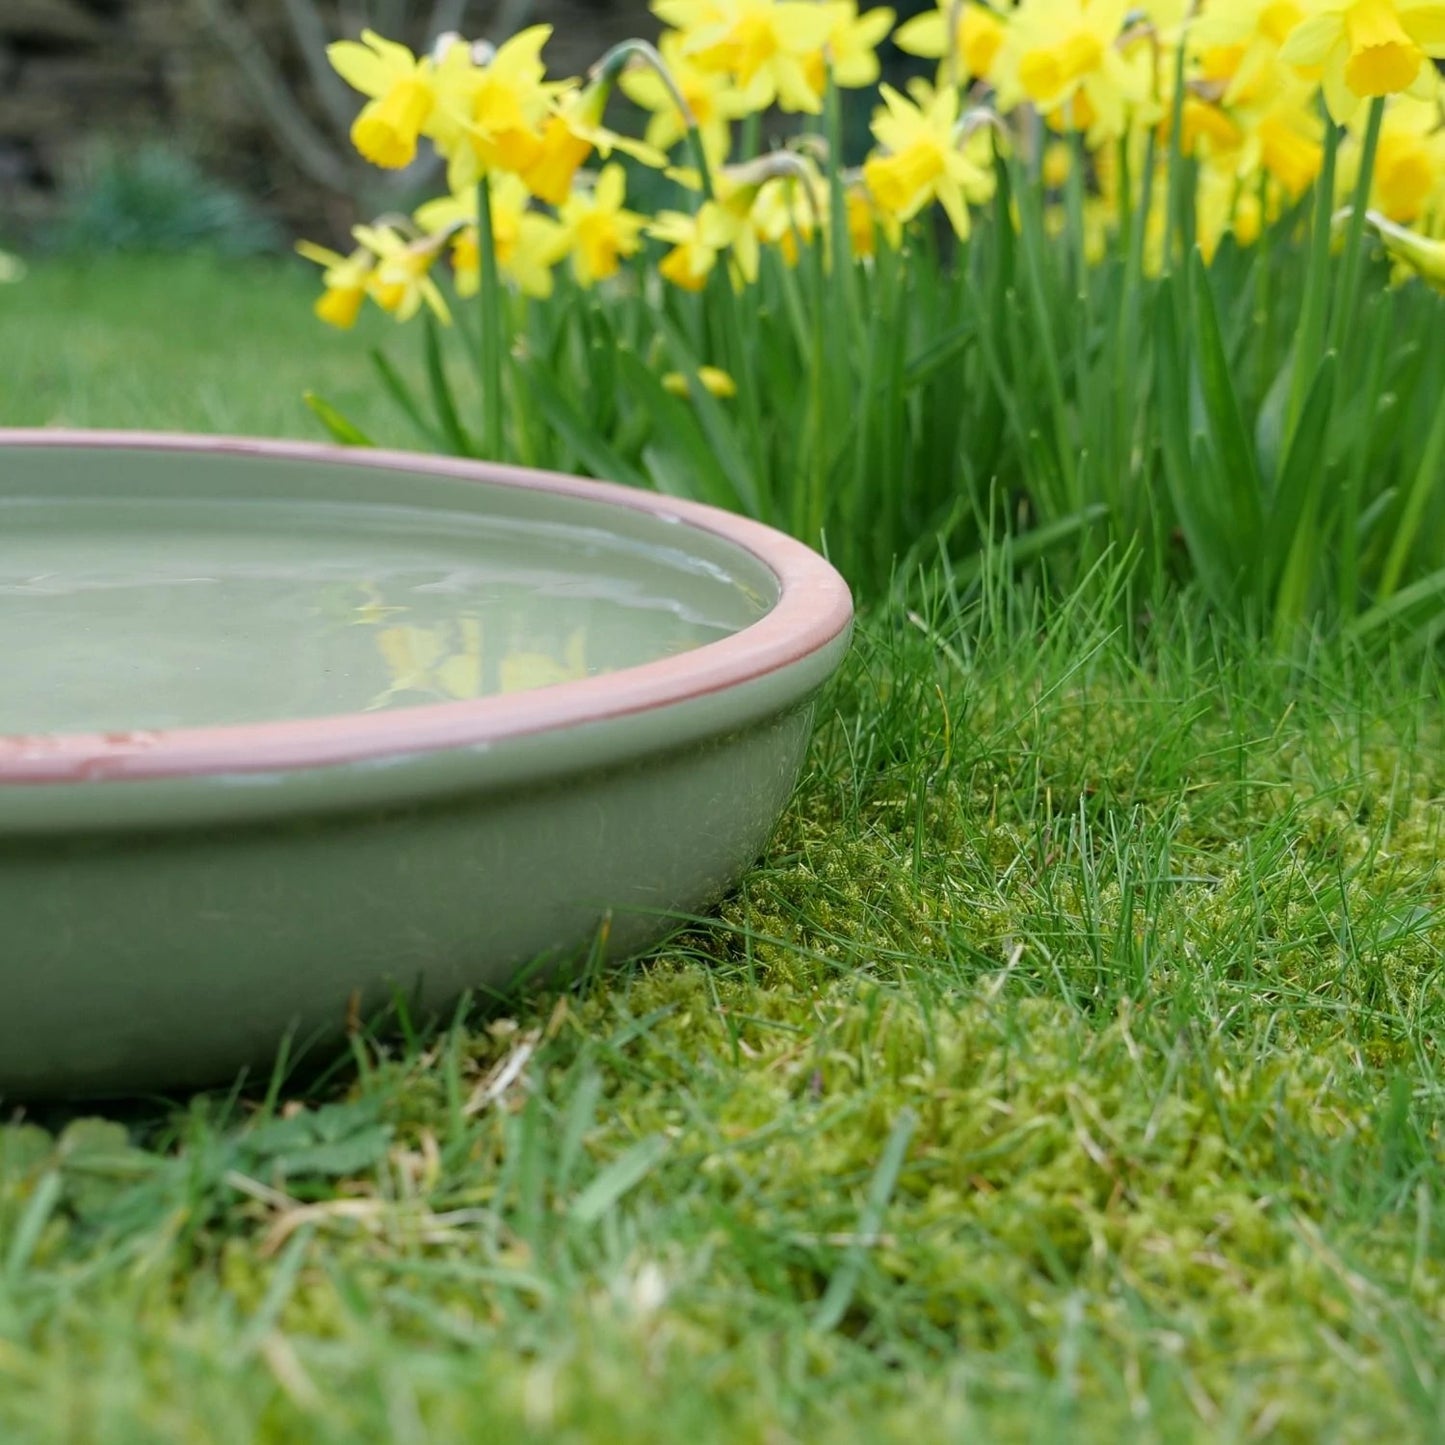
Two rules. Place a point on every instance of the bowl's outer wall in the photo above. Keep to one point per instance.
(270, 929)
(169, 931)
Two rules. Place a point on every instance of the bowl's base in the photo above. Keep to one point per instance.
(292, 929)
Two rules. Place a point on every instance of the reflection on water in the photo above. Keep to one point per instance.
(201, 626)
(449, 662)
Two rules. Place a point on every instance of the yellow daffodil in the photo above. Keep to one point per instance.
(346, 280)
(1202, 126)
(598, 229)
(767, 46)
(1280, 133)
(700, 239)
(851, 48)
(1409, 171)
(401, 281)
(1235, 46)
(713, 379)
(1287, 141)
(563, 150)
(490, 117)
(402, 93)
(786, 211)
(1370, 48)
(687, 18)
(713, 99)
(570, 135)
(527, 243)
(1223, 205)
(922, 159)
(978, 34)
(867, 221)
(1063, 57)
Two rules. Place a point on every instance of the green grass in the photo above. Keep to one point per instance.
(1069, 1068)
(183, 344)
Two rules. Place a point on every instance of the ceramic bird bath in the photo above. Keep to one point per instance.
(286, 730)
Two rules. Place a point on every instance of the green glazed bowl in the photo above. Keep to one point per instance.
(289, 730)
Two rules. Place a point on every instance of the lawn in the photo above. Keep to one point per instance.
(1069, 1066)
(179, 345)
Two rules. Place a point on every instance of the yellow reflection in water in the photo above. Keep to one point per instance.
(443, 661)
(518, 671)
(448, 662)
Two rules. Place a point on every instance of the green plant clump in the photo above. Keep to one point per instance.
(151, 198)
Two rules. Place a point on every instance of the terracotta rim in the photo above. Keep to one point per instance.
(813, 608)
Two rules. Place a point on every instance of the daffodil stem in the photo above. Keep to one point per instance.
(1074, 210)
(492, 341)
(1309, 338)
(1262, 261)
(1174, 227)
(1126, 197)
(738, 362)
(699, 159)
(840, 250)
(1348, 294)
(817, 399)
(751, 140)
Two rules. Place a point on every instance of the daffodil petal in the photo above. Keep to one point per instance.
(1310, 41)
(924, 35)
(320, 254)
(1340, 100)
(1425, 25)
(362, 69)
(955, 208)
(611, 187)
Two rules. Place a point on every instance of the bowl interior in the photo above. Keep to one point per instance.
(174, 589)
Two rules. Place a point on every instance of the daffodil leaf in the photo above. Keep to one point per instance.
(1238, 467)
(940, 353)
(678, 457)
(592, 451)
(452, 431)
(1190, 498)
(1296, 510)
(718, 428)
(402, 394)
(341, 429)
(1269, 424)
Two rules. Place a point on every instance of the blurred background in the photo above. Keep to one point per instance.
(217, 115)
(159, 125)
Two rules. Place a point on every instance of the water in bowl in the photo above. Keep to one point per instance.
(123, 615)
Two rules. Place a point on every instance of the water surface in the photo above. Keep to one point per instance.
(142, 614)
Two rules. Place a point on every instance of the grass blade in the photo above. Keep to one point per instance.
(625, 1173)
(839, 1294)
(38, 1209)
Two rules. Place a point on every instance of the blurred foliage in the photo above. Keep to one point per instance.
(155, 199)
